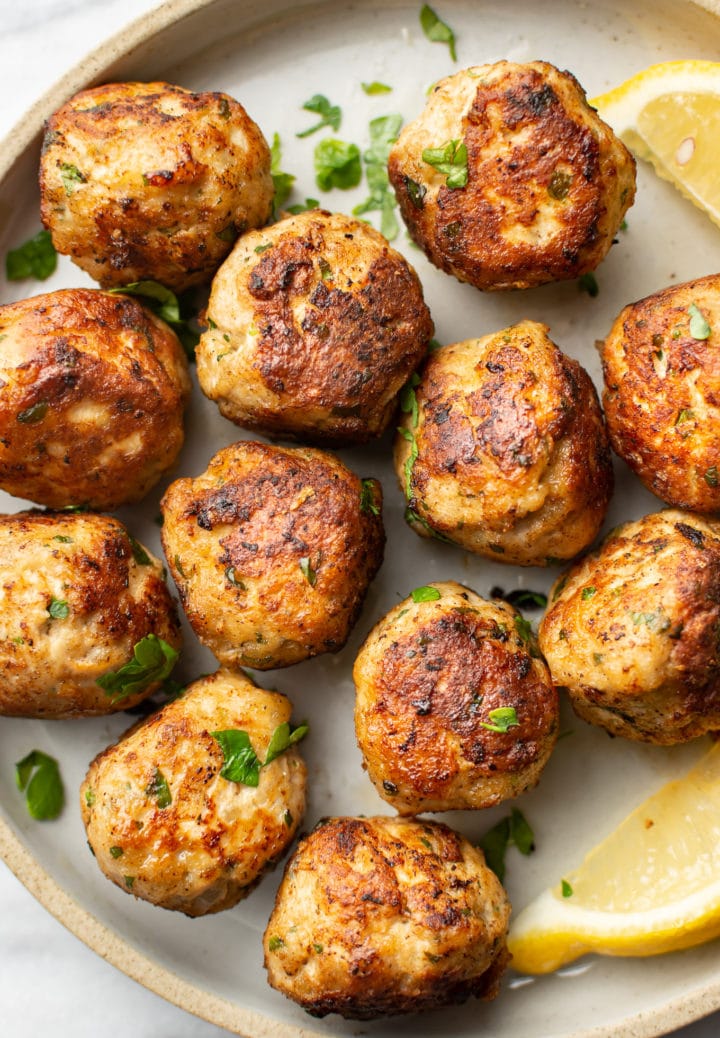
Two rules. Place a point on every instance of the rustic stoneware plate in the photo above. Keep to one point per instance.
(274, 56)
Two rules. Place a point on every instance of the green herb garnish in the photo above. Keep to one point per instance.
(282, 182)
(274, 943)
(337, 164)
(158, 789)
(116, 852)
(241, 763)
(330, 115)
(138, 552)
(436, 30)
(699, 327)
(711, 476)
(511, 831)
(164, 304)
(521, 598)
(450, 159)
(307, 571)
(38, 776)
(559, 184)
(152, 661)
(367, 497)
(383, 133)
(501, 719)
(425, 594)
(410, 460)
(376, 88)
(58, 609)
(70, 176)
(33, 414)
(35, 258)
(565, 888)
(587, 592)
(303, 207)
(232, 578)
(408, 399)
(412, 516)
(588, 283)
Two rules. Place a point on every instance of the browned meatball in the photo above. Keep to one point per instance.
(272, 550)
(533, 184)
(92, 391)
(454, 707)
(148, 180)
(163, 821)
(505, 452)
(77, 595)
(386, 915)
(632, 630)
(315, 324)
(661, 364)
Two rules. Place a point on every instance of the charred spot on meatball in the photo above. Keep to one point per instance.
(509, 179)
(150, 181)
(504, 451)
(454, 707)
(632, 630)
(315, 324)
(380, 916)
(92, 392)
(272, 551)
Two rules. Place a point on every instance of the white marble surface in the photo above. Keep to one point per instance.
(48, 977)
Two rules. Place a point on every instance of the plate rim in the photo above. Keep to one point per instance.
(80, 921)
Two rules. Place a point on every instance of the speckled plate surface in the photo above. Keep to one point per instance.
(272, 57)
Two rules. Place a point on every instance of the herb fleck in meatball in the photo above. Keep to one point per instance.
(272, 550)
(661, 364)
(163, 821)
(92, 391)
(503, 449)
(315, 324)
(386, 915)
(148, 180)
(632, 630)
(454, 707)
(77, 595)
(509, 179)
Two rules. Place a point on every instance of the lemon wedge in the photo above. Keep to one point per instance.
(652, 886)
(669, 114)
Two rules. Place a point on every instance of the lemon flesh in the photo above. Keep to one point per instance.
(652, 886)
(669, 115)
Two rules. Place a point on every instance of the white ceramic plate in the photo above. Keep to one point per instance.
(273, 59)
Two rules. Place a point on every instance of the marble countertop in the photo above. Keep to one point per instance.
(47, 976)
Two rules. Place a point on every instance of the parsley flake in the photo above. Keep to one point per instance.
(451, 159)
(58, 609)
(241, 763)
(376, 88)
(158, 789)
(566, 889)
(436, 30)
(699, 327)
(514, 830)
(38, 776)
(501, 720)
(282, 182)
(164, 304)
(425, 594)
(35, 258)
(307, 571)
(383, 133)
(408, 399)
(70, 176)
(337, 164)
(152, 661)
(367, 497)
(330, 115)
(412, 457)
(588, 283)
(521, 598)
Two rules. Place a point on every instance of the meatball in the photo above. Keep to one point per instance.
(148, 180)
(272, 550)
(78, 595)
(632, 630)
(92, 391)
(315, 324)
(509, 179)
(454, 707)
(169, 815)
(386, 915)
(504, 450)
(662, 392)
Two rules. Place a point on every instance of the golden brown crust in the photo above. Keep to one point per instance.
(427, 679)
(92, 391)
(272, 551)
(148, 180)
(548, 181)
(205, 848)
(662, 393)
(632, 630)
(380, 916)
(111, 594)
(315, 325)
(513, 460)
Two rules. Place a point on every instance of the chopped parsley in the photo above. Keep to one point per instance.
(330, 115)
(152, 661)
(587, 592)
(138, 552)
(376, 88)
(38, 776)
(425, 594)
(711, 476)
(33, 414)
(383, 133)
(282, 182)
(337, 164)
(241, 763)
(501, 720)
(410, 460)
(451, 159)
(303, 207)
(699, 327)
(35, 258)
(566, 889)
(412, 516)
(164, 304)
(514, 830)
(588, 283)
(307, 571)
(521, 598)
(116, 852)
(367, 497)
(58, 609)
(158, 789)
(70, 176)
(436, 30)
(408, 399)
(274, 943)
